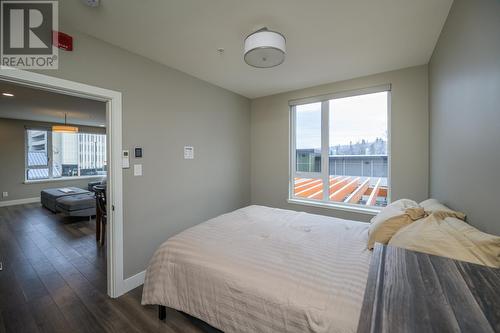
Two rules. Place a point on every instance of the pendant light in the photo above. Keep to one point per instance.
(265, 48)
(64, 128)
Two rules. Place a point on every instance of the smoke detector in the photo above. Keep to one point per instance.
(91, 3)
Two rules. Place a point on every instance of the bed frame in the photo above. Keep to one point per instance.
(162, 312)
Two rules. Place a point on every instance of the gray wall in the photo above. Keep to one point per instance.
(12, 148)
(464, 75)
(163, 110)
(409, 131)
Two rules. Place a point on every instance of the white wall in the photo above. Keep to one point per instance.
(465, 112)
(409, 139)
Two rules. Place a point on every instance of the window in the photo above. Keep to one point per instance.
(37, 154)
(339, 149)
(51, 155)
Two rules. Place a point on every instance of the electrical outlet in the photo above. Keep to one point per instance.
(5, 194)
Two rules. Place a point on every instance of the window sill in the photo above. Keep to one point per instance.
(337, 206)
(62, 179)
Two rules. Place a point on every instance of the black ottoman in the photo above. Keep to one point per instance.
(49, 196)
(77, 205)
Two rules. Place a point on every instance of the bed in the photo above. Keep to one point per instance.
(261, 269)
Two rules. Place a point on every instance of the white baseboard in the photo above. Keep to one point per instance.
(19, 202)
(133, 281)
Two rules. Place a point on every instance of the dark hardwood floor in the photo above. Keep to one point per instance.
(54, 280)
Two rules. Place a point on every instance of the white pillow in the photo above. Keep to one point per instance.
(391, 218)
(433, 206)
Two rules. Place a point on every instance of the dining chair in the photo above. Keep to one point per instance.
(101, 213)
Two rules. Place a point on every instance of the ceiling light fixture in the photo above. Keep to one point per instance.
(8, 94)
(265, 48)
(64, 128)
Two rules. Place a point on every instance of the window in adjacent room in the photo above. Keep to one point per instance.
(51, 155)
(340, 149)
(37, 154)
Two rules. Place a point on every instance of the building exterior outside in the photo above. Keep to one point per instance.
(356, 179)
(55, 155)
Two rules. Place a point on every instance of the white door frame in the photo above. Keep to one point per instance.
(113, 99)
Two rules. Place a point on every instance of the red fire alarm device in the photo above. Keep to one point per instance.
(62, 41)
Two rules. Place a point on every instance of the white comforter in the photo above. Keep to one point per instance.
(261, 269)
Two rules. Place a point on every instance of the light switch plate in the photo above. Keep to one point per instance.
(5, 194)
(188, 152)
(137, 169)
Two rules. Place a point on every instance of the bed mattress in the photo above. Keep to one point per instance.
(261, 269)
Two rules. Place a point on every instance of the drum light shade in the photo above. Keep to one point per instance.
(264, 49)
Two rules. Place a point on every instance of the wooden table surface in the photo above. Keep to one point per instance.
(409, 291)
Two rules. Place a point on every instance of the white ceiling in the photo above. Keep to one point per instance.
(327, 40)
(39, 105)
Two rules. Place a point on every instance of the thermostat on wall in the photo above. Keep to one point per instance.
(125, 159)
(138, 152)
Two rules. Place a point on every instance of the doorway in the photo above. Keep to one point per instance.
(113, 101)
